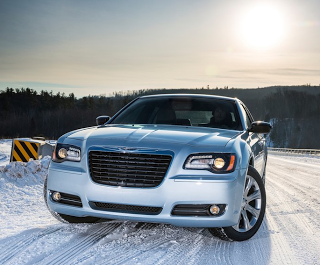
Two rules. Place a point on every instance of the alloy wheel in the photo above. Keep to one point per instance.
(250, 206)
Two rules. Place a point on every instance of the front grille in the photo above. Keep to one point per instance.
(128, 169)
(125, 208)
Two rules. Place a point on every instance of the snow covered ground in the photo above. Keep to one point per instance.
(5, 151)
(30, 235)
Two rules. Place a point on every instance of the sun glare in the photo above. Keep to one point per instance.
(262, 27)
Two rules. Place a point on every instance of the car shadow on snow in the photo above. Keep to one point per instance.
(256, 250)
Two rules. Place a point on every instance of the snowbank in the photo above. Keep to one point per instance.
(28, 173)
(22, 205)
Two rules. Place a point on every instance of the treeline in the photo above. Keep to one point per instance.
(27, 113)
(294, 111)
(296, 118)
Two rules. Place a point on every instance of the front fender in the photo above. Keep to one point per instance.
(242, 149)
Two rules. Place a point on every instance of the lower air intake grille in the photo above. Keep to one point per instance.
(125, 208)
(128, 169)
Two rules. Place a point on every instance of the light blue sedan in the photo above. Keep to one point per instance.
(185, 160)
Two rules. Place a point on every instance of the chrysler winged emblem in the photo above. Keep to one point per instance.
(127, 149)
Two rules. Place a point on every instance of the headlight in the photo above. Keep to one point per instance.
(218, 163)
(64, 152)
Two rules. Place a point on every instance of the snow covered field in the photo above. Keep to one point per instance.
(30, 235)
(5, 150)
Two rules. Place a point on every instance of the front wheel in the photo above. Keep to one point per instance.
(251, 213)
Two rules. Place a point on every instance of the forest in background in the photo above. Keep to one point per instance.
(294, 111)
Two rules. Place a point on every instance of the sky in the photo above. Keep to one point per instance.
(98, 47)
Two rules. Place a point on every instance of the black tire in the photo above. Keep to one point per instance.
(66, 218)
(252, 211)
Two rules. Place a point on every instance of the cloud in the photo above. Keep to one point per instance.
(36, 84)
(280, 71)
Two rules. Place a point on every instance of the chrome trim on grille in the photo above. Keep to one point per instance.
(137, 170)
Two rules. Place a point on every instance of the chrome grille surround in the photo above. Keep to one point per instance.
(128, 169)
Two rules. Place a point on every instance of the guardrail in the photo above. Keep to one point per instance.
(295, 151)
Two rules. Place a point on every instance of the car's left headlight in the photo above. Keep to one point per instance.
(66, 152)
(215, 162)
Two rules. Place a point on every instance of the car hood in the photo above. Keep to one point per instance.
(144, 134)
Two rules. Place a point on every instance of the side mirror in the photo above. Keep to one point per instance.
(102, 120)
(260, 127)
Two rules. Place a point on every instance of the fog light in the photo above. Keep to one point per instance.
(56, 196)
(214, 209)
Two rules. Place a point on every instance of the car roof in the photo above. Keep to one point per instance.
(191, 95)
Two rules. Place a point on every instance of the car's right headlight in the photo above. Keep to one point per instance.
(66, 152)
(215, 162)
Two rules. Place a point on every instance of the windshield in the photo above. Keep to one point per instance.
(183, 111)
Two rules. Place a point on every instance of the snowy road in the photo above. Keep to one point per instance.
(289, 235)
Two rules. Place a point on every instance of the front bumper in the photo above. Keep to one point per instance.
(174, 190)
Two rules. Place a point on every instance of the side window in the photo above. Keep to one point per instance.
(247, 117)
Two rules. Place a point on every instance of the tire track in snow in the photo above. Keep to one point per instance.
(67, 252)
(282, 252)
(91, 253)
(312, 162)
(296, 233)
(301, 194)
(287, 210)
(127, 253)
(178, 250)
(295, 201)
(145, 245)
(212, 250)
(17, 245)
(288, 207)
(261, 243)
(136, 253)
(306, 178)
(147, 226)
(192, 249)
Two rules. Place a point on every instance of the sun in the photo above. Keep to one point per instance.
(262, 27)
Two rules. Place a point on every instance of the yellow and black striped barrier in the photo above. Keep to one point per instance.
(25, 149)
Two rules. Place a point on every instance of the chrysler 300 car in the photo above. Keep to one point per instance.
(185, 160)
